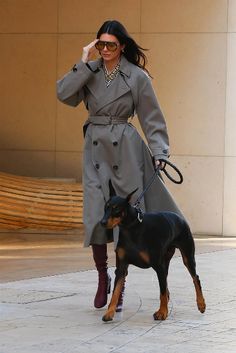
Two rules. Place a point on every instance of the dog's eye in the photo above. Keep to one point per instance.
(116, 211)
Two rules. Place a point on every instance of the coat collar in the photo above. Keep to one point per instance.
(97, 86)
(125, 66)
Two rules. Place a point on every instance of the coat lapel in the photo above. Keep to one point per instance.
(106, 95)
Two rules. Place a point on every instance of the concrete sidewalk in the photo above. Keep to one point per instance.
(55, 313)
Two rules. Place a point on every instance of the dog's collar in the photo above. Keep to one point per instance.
(137, 220)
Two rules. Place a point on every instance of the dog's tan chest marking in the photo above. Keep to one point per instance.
(144, 256)
(121, 253)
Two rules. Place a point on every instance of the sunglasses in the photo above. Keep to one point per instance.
(111, 46)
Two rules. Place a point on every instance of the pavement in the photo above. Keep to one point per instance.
(55, 314)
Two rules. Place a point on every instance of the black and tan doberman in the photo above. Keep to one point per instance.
(149, 240)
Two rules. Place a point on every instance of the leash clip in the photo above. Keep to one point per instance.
(140, 216)
(140, 213)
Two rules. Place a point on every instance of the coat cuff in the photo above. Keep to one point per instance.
(161, 153)
(160, 156)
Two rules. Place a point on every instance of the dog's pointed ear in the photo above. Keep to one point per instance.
(130, 195)
(111, 189)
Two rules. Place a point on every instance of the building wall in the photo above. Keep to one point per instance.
(192, 59)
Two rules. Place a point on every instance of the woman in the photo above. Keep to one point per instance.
(113, 89)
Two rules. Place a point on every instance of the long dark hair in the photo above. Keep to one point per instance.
(132, 51)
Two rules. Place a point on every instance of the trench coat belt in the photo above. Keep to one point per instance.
(107, 120)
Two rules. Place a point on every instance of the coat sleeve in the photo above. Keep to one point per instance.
(70, 89)
(151, 119)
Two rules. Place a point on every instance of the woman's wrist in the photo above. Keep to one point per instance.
(84, 58)
(160, 156)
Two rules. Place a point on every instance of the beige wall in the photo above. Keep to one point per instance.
(192, 58)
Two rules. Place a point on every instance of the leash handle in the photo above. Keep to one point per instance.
(168, 175)
(157, 172)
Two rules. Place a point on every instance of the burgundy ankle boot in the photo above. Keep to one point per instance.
(104, 280)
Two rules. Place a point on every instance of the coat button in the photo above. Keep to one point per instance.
(115, 167)
(115, 143)
(97, 165)
(165, 151)
(95, 143)
(74, 68)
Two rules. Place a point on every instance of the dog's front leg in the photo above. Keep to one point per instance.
(114, 300)
(162, 312)
(121, 273)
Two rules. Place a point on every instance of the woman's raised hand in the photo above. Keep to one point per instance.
(88, 51)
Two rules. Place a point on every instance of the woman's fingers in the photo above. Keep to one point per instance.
(88, 51)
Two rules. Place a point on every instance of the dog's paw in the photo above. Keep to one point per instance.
(107, 317)
(160, 315)
(201, 306)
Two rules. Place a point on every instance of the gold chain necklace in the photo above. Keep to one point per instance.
(110, 76)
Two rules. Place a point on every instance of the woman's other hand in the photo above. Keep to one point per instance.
(88, 51)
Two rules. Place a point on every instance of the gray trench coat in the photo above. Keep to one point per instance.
(113, 149)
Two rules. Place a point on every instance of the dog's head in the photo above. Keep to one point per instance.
(116, 208)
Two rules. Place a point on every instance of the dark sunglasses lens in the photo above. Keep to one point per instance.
(111, 46)
(100, 45)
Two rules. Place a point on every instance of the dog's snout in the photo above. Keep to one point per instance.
(103, 222)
